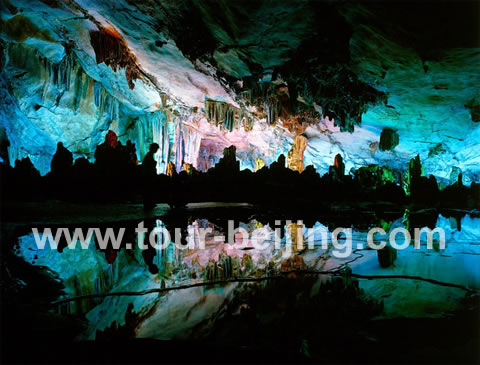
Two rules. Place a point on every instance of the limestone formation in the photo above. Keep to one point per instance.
(389, 139)
(295, 156)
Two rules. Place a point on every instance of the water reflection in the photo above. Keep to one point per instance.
(417, 283)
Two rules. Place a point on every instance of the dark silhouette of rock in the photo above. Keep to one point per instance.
(336, 172)
(386, 256)
(389, 139)
(62, 161)
(131, 152)
(4, 144)
(149, 173)
(413, 174)
(25, 168)
(228, 164)
(107, 156)
(339, 165)
(279, 164)
(115, 176)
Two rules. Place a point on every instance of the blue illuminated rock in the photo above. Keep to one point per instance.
(82, 69)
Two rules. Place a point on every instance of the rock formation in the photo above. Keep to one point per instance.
(388, 139)
(340, 77)
(295, 156)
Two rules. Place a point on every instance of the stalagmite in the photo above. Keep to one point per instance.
(259, 164)
(295, 156)
(414, 172)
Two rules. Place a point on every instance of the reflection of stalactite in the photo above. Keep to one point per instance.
(99, 282)
(247, 263)
(104, 281)
(163, 256)
(225, 268)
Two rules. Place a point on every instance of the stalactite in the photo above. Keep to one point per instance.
(77, 89)
(150, 128)
(224, 114)
(248, 123)
(270, 113)
(179, 150)
(62, 73)
(113, 50)
(105, 102)
(67, 76)
(192, 142)
(273, 108)
(159, 129)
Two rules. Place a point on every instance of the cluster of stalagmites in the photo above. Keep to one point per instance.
(116, 175)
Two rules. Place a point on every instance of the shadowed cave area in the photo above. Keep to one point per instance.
(230, 181)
